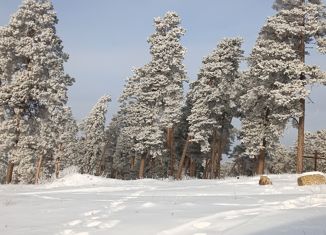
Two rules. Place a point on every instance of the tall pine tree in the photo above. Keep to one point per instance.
(213, 98)
(33, 84)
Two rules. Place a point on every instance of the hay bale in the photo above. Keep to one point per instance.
(311, 179)
(264, 180)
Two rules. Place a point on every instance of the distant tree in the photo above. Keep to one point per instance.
(213, 99)
(33, 85)
(92, 140)
(281, 160)
(66, 151)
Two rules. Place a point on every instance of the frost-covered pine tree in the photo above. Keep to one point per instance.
(213, 99)
(33, 82)
(65, 152)
(168, 72)
(298, 23)
(141, 107)
(92, 140)
(112, 134)
(277, 79)
(153, 96)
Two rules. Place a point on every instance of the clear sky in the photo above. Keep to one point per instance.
(107, 38)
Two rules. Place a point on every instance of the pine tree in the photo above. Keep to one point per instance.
(278, 76)
(92, 139)
(65, 152)
(169, 73)
(213, 99)
(153, 96)
(298, 23)
(33, 83)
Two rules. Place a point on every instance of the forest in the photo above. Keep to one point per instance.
(160, 130)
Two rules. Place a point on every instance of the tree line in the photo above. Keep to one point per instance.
(158, 131)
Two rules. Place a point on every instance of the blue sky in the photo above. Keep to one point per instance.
(106, 39)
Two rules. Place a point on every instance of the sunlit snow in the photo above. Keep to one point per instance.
(85, 205)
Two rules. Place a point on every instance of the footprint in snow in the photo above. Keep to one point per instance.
(70, 232)
(109, 224)
(201, 225)
(148, 205)
(93, 224)
(231, 217)
(93, 212)
(74, 222)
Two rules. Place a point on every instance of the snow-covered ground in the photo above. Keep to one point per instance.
(86, 205)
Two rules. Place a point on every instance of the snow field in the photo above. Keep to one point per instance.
(85, 205)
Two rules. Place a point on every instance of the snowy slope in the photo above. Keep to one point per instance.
(86, 205)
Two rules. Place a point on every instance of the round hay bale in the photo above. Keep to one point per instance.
(311, 179)
(264, 180)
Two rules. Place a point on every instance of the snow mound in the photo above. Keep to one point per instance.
(78, 180)
(312, 173)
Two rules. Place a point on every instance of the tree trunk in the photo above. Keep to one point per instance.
(38, 169)
(213, 170)
(132, 162)
(300, 147)
(219, 155)
(142, 167)
(182, 160)
(57, 167)
(170, 145)
(192, 172)
(206, 170)
(261, 159)
(10, 170)
(101, 166)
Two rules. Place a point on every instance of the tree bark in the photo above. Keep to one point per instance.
(38, 169)
(170, 145)
(10, 169)
(300, 147)
(182, 160)
(11, 165)
(192, 172)
(213, 170)
(261, 159)
(206, 170)
(142, 167)
(132, 162)
(57, 167)
(221, 144)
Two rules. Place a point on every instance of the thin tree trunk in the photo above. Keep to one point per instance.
(10, 170)
(182, 160)
(132, 162)
(192, 168)
(142, 167)
(11, 165)
(261, 159)
(38, 169)
(206, 170)
(170, 145)
(300, 147)
(214, 156)
(219, 154)
(57, 167)
(101, 166)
